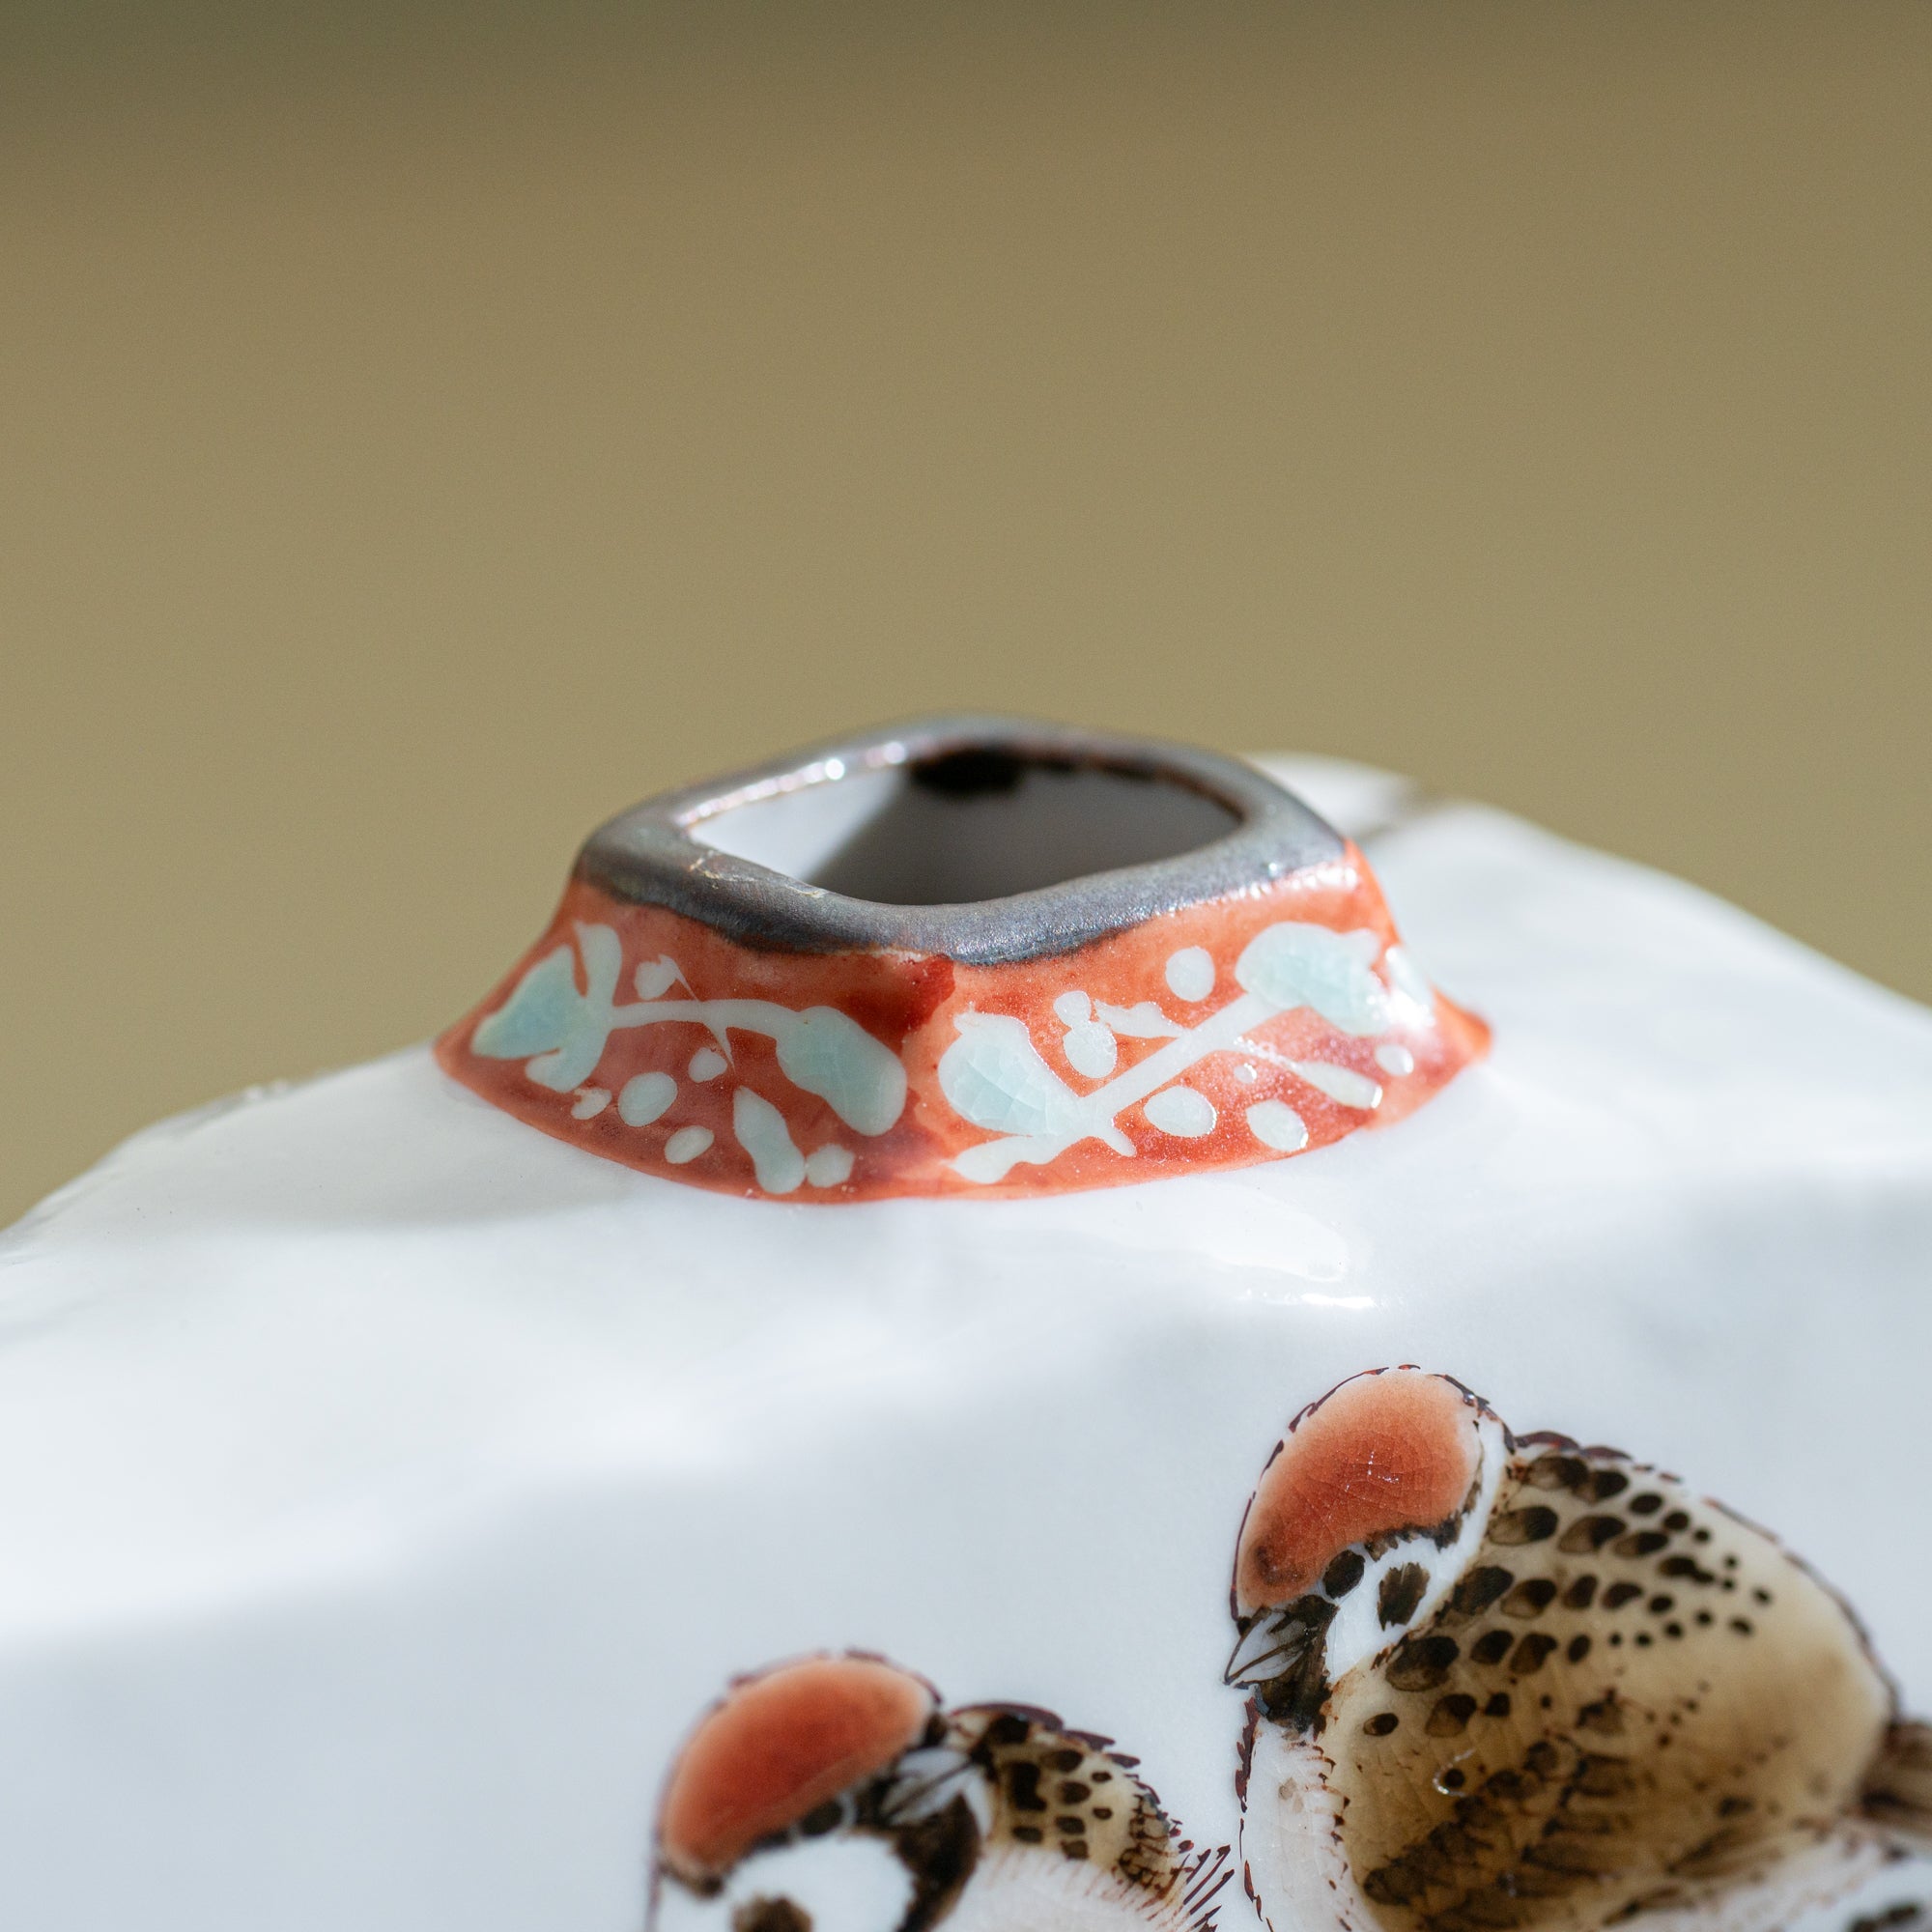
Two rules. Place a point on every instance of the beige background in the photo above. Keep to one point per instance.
(422, 434)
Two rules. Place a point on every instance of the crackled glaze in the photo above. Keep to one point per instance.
(765, 1033)
(857, 1075)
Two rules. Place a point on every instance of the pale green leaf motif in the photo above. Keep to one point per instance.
(762, 1133)
(538, 1016)
(547, 1016)
(827, 1053)
(1145, 1021)
(995, 1078)
(655, 978)
(1296, 964)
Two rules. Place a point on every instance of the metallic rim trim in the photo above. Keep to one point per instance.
(647, 855)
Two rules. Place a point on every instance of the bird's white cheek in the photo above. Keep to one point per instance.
(839, 1884)
(1357, 1633)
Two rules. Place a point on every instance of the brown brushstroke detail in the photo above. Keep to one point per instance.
(1677, 1768)
(1898, 1791)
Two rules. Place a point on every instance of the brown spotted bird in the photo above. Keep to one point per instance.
(834, 1795)
(1512, 1685)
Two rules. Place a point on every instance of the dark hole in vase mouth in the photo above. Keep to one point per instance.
(970, 822)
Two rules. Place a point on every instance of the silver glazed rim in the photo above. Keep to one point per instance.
(661, 852)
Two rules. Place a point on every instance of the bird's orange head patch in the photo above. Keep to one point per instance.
(777, 1747)
(1384, 1454)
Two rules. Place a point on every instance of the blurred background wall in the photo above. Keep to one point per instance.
(424, 431)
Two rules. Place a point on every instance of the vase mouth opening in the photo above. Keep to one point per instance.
(959, 956)
(980, 838)
(970, 822)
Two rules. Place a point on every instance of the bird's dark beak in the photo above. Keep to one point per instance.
(1269, 1645)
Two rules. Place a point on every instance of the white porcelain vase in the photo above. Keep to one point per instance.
(1005, 1329)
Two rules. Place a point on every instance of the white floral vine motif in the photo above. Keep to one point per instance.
(994, 1077)
(560, 1032)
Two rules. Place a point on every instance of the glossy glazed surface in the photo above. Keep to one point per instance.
(1215, 1036)
(964, 956)
(387, 1488)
